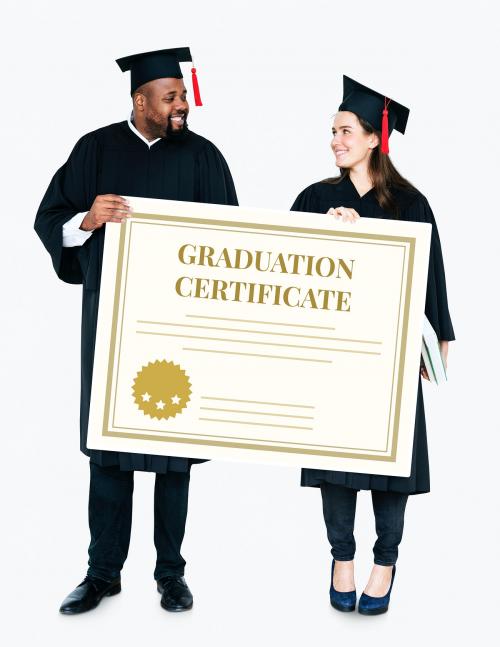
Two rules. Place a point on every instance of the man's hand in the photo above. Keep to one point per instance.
(106, 208)
(347, 215)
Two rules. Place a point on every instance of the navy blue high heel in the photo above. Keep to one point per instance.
(370, 606)
(342, 601)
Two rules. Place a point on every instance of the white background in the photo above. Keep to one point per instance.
(270, 75)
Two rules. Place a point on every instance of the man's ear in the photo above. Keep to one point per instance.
(138, 101)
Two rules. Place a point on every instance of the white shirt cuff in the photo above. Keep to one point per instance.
(72, 235)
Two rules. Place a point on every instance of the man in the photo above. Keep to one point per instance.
(153, 155)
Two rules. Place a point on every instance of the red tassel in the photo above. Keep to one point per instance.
(385, 129)
(196, 88)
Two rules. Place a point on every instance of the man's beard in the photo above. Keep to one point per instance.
(158, 130)
(178, 133)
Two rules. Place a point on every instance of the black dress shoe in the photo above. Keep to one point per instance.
(88, 594)
(175, 593)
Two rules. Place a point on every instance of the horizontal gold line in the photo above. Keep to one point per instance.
(237, 231)
(276, 404)
(257, 332)
(226, 352)
(281, 228)
(256, 424)
(260, 343)
(273, 323)
(232, 438)
(257, 413)
(215, 443)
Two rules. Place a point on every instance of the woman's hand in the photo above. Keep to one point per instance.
(443, 348)
(347, 215)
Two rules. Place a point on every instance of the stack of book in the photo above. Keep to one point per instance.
(431, 354)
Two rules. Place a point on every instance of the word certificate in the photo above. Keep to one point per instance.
(258, 335)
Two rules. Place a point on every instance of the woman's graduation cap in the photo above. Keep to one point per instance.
(379, 111)
(160, 64)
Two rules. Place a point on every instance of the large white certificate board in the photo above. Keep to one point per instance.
(257, 335)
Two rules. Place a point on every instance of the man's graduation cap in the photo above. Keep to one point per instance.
(379, 111)
(160, 64)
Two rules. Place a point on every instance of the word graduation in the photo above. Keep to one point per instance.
(323, 267)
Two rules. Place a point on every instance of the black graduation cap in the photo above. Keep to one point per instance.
(162, 63)
(379, 111)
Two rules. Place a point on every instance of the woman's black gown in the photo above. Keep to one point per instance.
(318, 198)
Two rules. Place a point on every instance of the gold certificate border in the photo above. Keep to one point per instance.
(329, 234)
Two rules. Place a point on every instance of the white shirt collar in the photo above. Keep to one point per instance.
(140, 135)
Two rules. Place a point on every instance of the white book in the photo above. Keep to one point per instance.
(431, 354)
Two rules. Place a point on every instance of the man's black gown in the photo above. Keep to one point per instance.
(318, 198)
(115, 160)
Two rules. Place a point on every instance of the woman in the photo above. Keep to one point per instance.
(370, 186)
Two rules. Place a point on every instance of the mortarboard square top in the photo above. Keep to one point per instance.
(148, 66)
(369, 105)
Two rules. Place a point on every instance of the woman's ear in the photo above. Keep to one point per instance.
(374, 140)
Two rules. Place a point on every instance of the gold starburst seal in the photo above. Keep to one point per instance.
(161, 389)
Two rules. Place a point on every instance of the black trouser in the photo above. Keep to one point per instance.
(110, 520)
(339, 510)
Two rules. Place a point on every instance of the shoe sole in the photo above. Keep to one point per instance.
(176, 609)
(113, 591)
(373, 612)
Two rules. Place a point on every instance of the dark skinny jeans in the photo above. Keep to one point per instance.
(339, 511)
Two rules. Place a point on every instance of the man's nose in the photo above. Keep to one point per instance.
(180, 104)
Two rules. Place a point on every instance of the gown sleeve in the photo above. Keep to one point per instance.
(306, 201)
(436, 303)
(215, 183)
(72, 190)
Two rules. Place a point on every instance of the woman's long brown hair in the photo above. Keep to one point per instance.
(383, 173)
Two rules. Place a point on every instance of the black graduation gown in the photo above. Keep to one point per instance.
(413, 206)
(115, 160)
